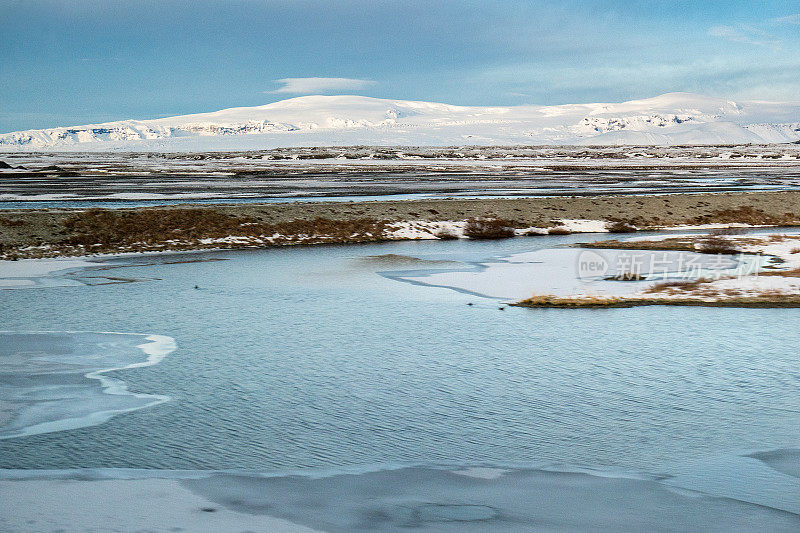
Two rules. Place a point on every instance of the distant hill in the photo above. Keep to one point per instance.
(669, 119)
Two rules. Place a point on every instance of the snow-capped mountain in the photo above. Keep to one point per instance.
(670, 119)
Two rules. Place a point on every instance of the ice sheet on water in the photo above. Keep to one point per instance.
(53, 381)
(721, 493)
(517, 500)
(768, 478)
(575, 271)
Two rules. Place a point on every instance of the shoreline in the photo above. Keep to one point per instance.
(773, 285)
(467, 496)
(38, 233)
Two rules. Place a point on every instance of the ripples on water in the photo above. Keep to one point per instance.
(306, 357)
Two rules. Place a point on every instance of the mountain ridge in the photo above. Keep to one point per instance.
(316, 120)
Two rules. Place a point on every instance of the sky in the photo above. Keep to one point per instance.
(72, 62)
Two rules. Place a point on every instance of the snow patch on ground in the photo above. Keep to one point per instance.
(583, 226)
(425, 229)
(123, 505)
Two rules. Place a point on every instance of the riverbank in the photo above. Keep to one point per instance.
(457, 498)
(80, 232)
(775, 284)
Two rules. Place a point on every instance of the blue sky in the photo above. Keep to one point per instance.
(69, 62)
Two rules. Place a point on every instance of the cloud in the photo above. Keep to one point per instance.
(516, 94)
(746, 35)
(320, 85)
(711, 75)
(789, 19)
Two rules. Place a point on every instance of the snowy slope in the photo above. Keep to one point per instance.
(670, 119)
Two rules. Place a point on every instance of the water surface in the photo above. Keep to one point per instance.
(308, 357)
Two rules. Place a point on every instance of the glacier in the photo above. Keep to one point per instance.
(668, 120)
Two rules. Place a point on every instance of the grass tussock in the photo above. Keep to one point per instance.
(678, 286)
(767, 299)
(716, 245)
(620, 226)
(559, 231)
(547, 300)
(489, 228)
(626, 276)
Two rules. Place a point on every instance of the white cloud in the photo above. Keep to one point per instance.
(745, 34)
(732, 77)
(320, 85)
(789, 19)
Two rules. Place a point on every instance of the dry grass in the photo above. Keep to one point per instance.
(4, 221)
(489, 228)
(105, 227)
(559, 231)
(710, 244)
(619, 226)
(768, 299)
(745, 215)
(626, 276)
(794, 273)
(716, 245)
(548, 300)
(676, 244)
(108, 229)
(678, 286)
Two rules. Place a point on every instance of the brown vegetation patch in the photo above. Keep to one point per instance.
(102, 229)
(794, 273)
(620, 226)
(716, 245)
(626, 276)
(106, 227)
(4, 221)
(678, 286)
(745, 215)
(489, 228)
(547, 300)
(768, 299)
(671, 244)
(708, 244)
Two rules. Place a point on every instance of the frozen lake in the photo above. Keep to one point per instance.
(319, 361)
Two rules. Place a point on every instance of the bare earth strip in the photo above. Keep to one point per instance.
(75, 232)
